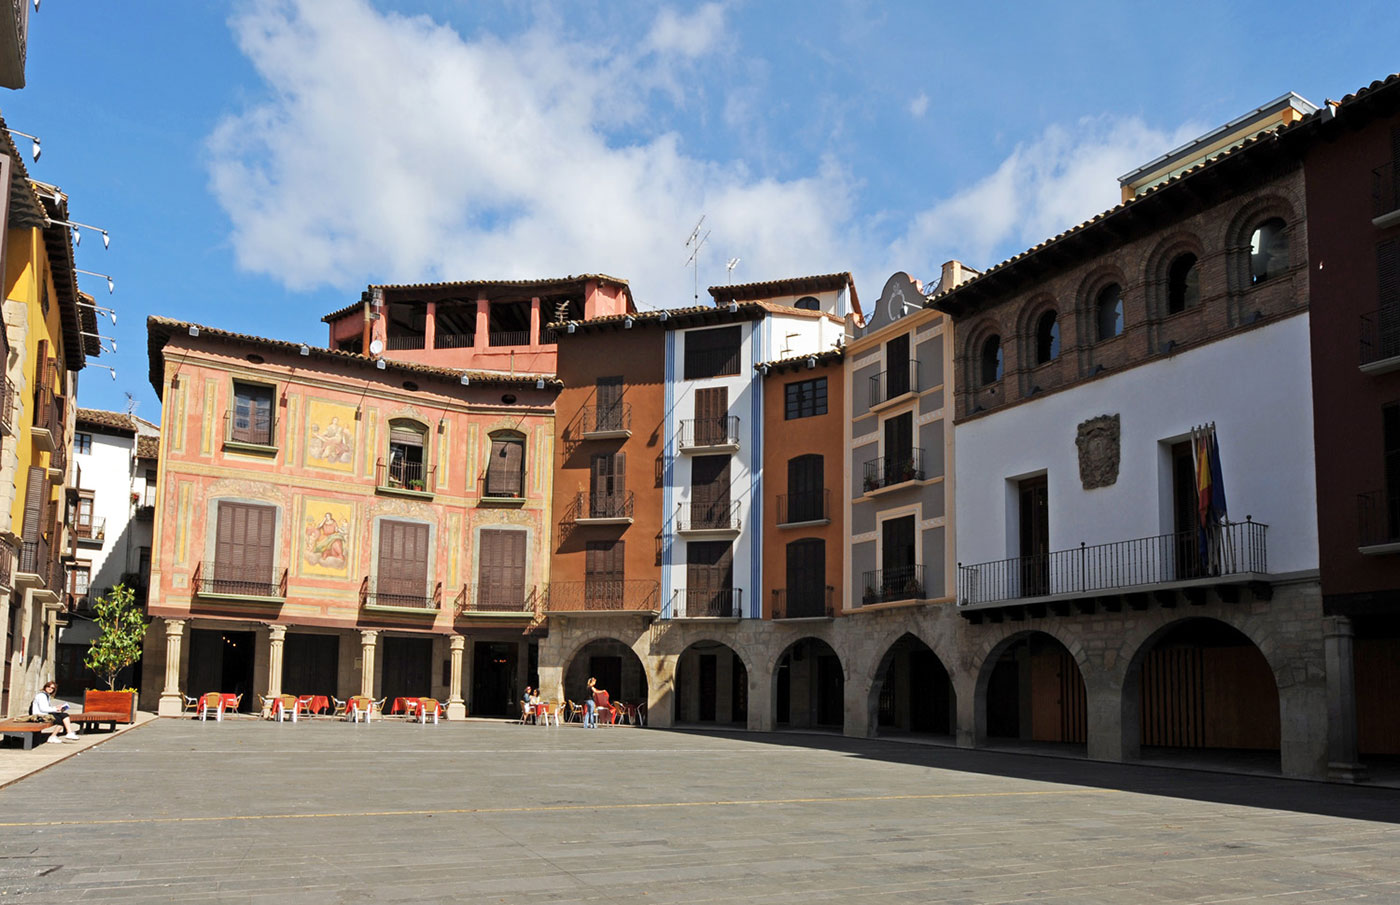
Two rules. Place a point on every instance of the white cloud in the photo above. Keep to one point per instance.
(918, 106)
(392, 148)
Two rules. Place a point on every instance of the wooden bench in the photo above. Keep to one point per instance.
(27, 733)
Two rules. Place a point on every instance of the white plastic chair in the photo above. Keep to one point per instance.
(423, 711)
(205, 701)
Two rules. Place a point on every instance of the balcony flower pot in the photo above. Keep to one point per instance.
(415, 484)
(870, 484)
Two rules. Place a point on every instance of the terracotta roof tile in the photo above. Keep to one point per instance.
(147, 447)
(102, 418)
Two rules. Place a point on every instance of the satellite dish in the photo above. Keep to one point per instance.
(375, 347)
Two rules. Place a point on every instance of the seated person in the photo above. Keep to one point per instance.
(58, 716)
(528, 700)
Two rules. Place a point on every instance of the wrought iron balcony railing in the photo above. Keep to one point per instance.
(894, 383)
(401, 475)
(1378, 514)
(804, 603)
(1235, 548)
(700, 603)
(708, 517)
(808, 506)
(600, 507)
(237, 580)
(890, 585)
(454, 340)
(96, 530)
(35, 558)
(508, 337)
(401, 342)
(1385, 189)
(891, 470)
(257, 429)
(401, 593)
(1380, 334)
(498, 598)
(703, 433)
(602, 595)
(615, 418)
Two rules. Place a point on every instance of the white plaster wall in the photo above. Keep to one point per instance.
(107, 471)
(1256, 387)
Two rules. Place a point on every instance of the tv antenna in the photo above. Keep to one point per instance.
(694, 243)
(729, 266)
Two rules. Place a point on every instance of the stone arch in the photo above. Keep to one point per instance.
(731, 683)
(1027, 321)
(1086, 299)
(985, 664)
(938, 709)
(977, 335)
(812, 694)
(1157, 263)
(1183, 681)
(1241, 227)
(651, 680)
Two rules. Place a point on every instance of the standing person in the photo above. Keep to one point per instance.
(590, 708)
(58, 716)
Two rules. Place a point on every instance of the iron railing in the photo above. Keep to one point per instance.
(7, 405)
(890, 470)
(1233, 548)
(405, 593)
(708, 517)
(34, 558)
(548, 336)
(894, 383)
(454, 340)
(808, 506)
(600, 419)
(601, 505)
(400, 474)
(401, 342)
(804, 603)
(898, 583)
(48, 413)
(1385, 189)
(94, 530)
(1380, 333)
(214, 577)
(696, 603)
(500, 598)
(146, 511)
(260, 428)
(1378, 515)
(7, 566)
(603, 594)
(702, 432)
(508, 337)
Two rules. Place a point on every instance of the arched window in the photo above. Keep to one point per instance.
(990, 366)
(1268, 251)
(807, 303)
(505, 470)
(1047, 338)
(1108, 311)
(1183, 283)
(408, 460)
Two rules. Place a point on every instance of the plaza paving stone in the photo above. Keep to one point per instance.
(329, 812)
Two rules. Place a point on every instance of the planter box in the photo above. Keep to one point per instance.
(123, 702)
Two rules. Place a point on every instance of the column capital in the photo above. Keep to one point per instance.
(277, 633)
(1337, 627)
(174, 627)
(369, 636)
(457, 642)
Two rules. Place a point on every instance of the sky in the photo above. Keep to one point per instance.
(258, 163)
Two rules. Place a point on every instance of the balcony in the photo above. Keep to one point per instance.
(454, 340)
(1123, 570)
(889, 387)
(601, 509)
(894, 584)
(803, 510)
(606, 422)
(255, 433)
(400, 595)
(508, 338)
(497, 600)
(1380, 339)
(1385, 195)
(709, 435)
(7, 567)
(235, 581)
(707, 603)
(1379, 517)
(804, 603)
(146, 512)
(47, 431)
(709, 519)
(405, 342)
(404, 478)
(8, 399)
(34, 560)
(93, 533)
(603, 596)
(884, 473)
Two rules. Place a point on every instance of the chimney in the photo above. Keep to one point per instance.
(954, 274)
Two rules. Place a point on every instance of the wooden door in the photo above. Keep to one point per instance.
(899, 447)
(709, 492)
(711, 416)
(609, 485)
(897, 366)
(501, 576)
(709, 676)
(806, 483)
(709, 579)
(609, 404)
(407, 667)
(603, 575)
(1186, 525)
(806, 577)
(1035, 537)
(311, 664)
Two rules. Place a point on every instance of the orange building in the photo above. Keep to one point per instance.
(334, 524)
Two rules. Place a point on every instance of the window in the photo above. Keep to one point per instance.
(244, 542)
(609, 496)
(407, 458)
(603, 573)
(143, 564)
(806, 577)
(1183, 283)
(403, 564)
(712, 417)
(1108, 311)
(897, 366)
(505, 472)
(709, 580)
(79, 577)
(709, 492)
(83, 516)
(501, 570)
(990, 363)
(806, 491)
(148, 496)
(82, 443)
(251, 420)
(1268, 251)
(609, 400)
(1047, 338)
(807, 303)
(712, 353)
(806, 398)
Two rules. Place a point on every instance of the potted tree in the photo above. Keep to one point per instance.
(123, 627)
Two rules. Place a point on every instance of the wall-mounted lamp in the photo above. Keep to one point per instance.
(36, 150)
(627, 323)
(733, 307)
(100, 337)
(379, 363)
(539, 383)
(811, 362)
(305, 349)
(77, 236)
(111, 286)
(194, 331)
(663, 316)
(571, 327)
(466, 381)
(95, 307)
(174, 382)
(763, 369)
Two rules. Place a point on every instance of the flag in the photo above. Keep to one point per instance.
(1201, 447)
(1217, 481)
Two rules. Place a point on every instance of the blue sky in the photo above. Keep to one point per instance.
(259, 163)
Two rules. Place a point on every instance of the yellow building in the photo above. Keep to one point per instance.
(45, 319)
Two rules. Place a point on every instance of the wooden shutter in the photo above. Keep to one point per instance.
(608, 488)
(36, 491)
(897, 366)
(243, 542)
(604, 561)
(505, 471)
(1388, 298)
(712, 353)
(609, 401)
(502, 568)
(709, 491)
(805, 485)
(711, 415)
(806, 575)
(406, 434)
(403, 559)
(898, 537)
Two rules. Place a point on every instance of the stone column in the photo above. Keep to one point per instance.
(171, 703)
(276, 635)
(1338, 644)
(970, 728)
(535, 321)
(369, 639)
(522, 668)
(483, 322)
(456, 706)
(859, 718)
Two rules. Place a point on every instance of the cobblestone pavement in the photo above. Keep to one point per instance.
(328, 812)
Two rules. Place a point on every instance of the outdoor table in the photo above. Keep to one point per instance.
(316, 703)
(418, 707)
(229, 701)
(400, 705)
